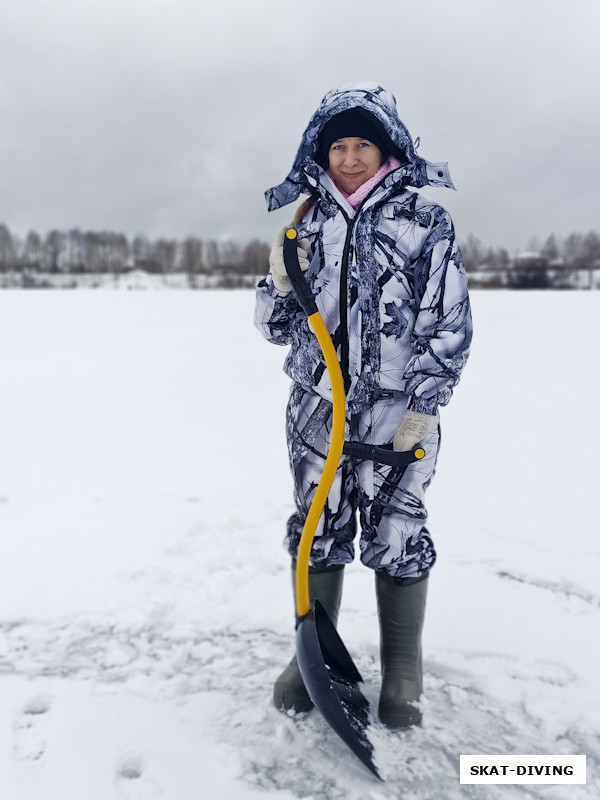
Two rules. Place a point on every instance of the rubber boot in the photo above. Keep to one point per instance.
(401, 611)
(325, 585)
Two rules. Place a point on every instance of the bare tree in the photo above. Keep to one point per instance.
(75, 251)
(31, 257)
(591, 249)
(255, 258)
(472, 253)
(141, 251)
(550, 250)
(230, 256)
(54, 247)
(117, 252)
(210, 258)
(573, 249)
(165, 252)
(7, 249)
(191, 256)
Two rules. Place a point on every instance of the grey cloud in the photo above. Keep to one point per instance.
(172, 118)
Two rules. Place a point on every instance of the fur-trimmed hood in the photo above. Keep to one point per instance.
(305, 172)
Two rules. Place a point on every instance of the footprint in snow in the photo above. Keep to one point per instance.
(30, 730)
(132, 781)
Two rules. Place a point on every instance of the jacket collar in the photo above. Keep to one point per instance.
(319, 180)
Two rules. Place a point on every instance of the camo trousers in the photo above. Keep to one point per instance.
(387, 500)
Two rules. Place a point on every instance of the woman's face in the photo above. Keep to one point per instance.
(352, 161)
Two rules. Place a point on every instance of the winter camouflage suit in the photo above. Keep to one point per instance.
(389, 282)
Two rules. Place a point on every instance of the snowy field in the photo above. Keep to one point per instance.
(145, 605)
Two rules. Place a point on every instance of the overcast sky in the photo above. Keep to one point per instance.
(171, 117)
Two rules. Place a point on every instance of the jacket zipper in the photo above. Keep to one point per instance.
(344, 334)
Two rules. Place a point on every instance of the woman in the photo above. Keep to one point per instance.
(388, 279)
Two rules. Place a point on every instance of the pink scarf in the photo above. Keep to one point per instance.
(356, 198)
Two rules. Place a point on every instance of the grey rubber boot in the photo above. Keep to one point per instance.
(401, 611)
(289, 692)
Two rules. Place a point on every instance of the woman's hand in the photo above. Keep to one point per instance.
(277, 265)
(411, 430)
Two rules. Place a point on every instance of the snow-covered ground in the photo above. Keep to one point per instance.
(130, 279)
(145, 605)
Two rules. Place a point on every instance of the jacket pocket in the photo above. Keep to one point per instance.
(397, 320)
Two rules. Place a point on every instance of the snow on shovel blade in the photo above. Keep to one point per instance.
(331, 679)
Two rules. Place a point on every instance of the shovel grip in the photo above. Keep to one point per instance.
(384, 455)
(295, 274)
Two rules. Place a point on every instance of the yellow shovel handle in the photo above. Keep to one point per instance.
(334, 453)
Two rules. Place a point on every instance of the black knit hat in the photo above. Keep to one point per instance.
(353, 122)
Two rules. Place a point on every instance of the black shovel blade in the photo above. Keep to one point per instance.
(331, 679)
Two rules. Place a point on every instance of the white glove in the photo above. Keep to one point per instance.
(411, 430)
(277, 266)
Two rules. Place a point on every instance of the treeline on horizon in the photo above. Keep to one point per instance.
(77, 252)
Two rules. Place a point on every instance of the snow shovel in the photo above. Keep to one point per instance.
(330, 676)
